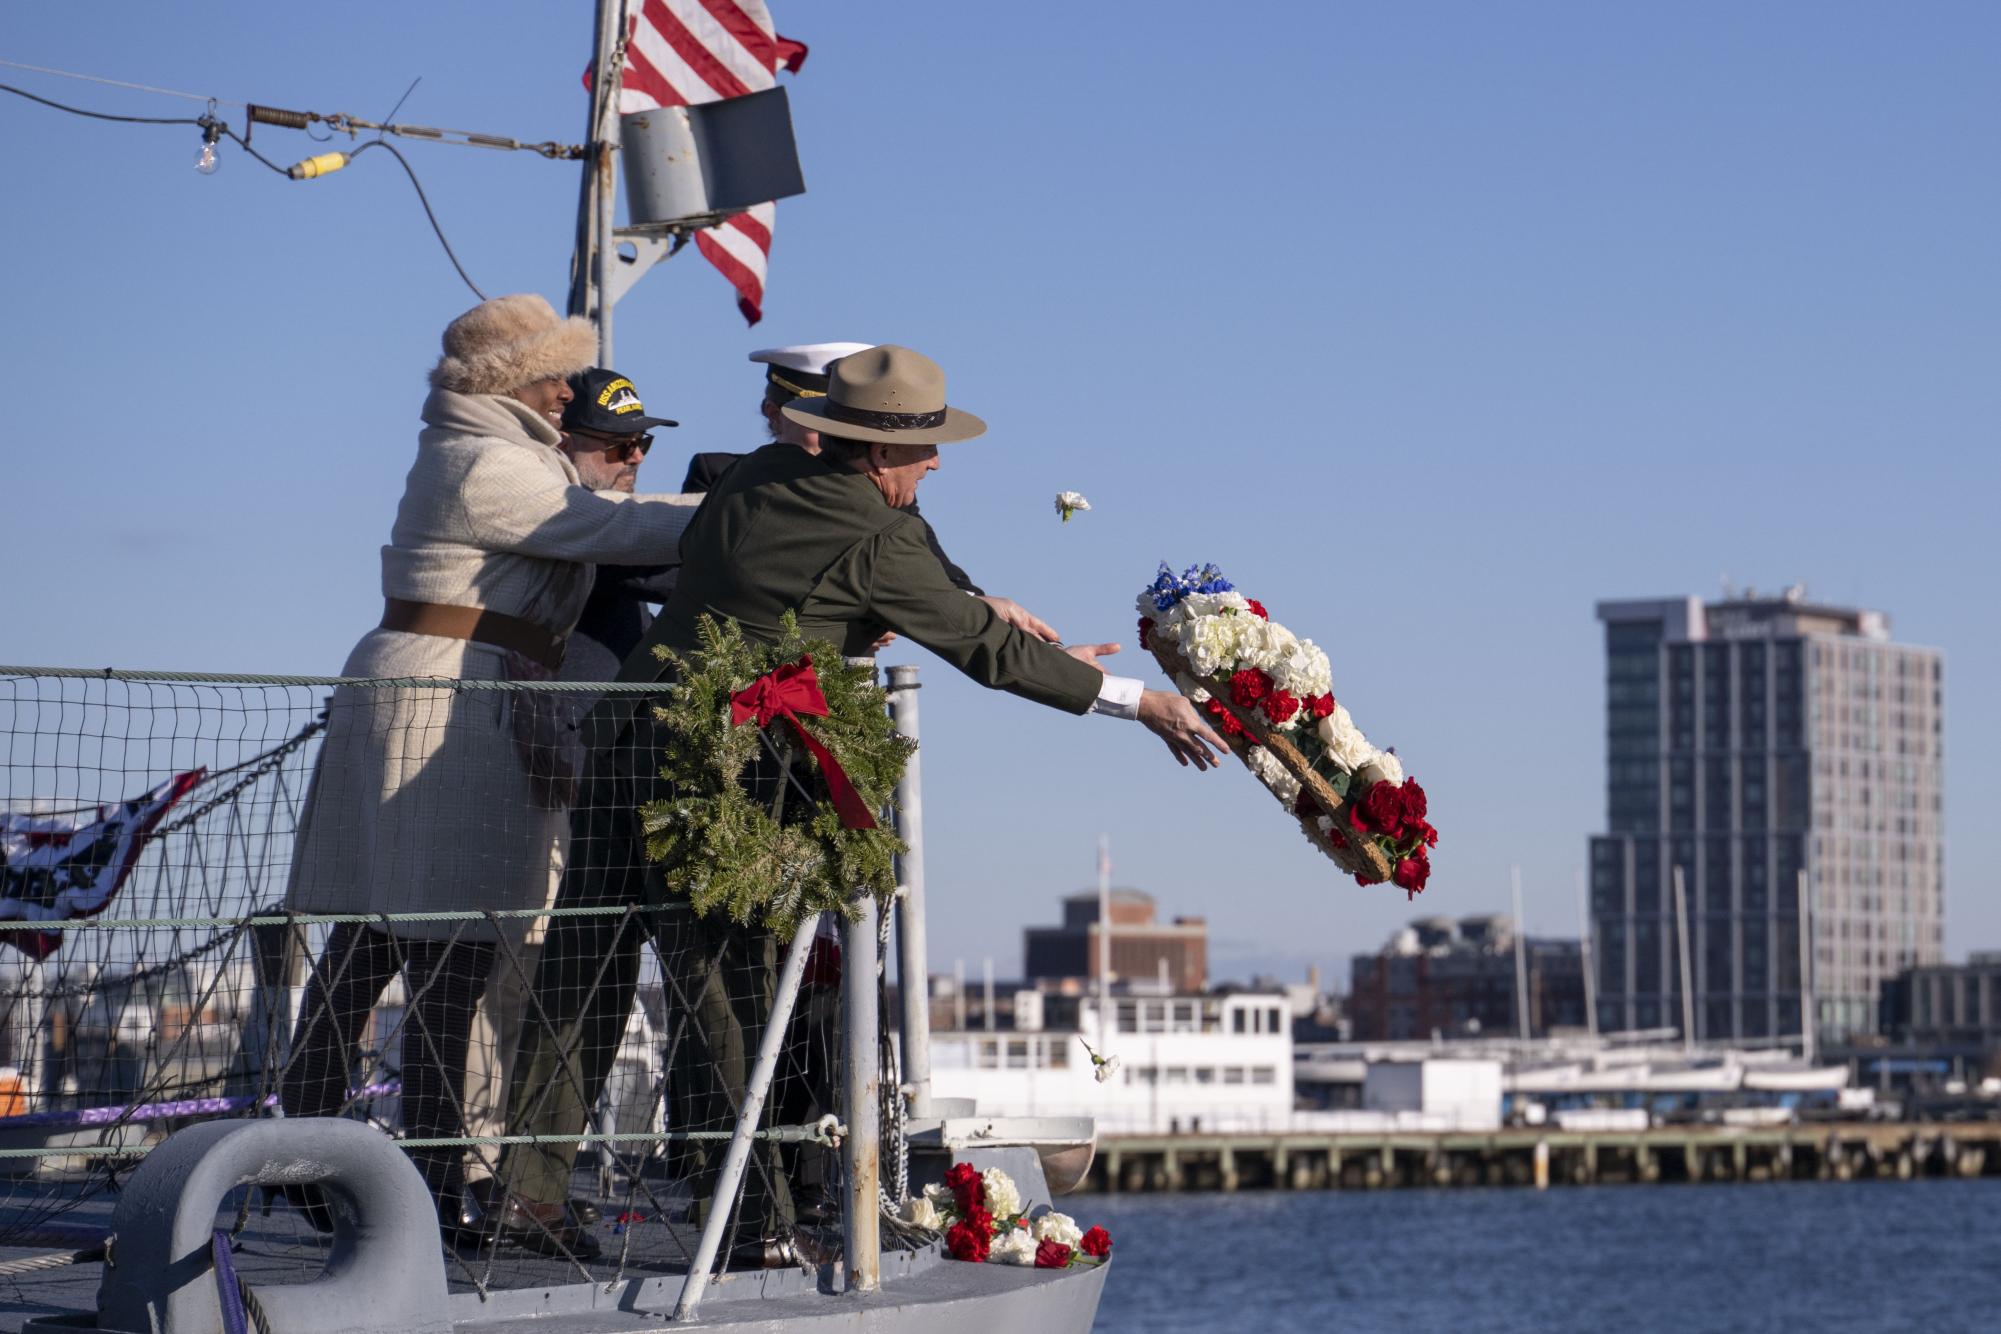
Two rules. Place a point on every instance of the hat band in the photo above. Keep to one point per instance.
(884, 421)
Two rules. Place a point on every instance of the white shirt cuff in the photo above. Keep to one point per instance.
(1119, 696)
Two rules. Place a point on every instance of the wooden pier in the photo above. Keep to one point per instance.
(1536, 1156)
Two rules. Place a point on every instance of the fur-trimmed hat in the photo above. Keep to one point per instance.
(502, 344)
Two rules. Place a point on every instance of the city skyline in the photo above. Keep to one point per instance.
(1465, 321)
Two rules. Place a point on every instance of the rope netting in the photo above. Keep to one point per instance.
(404, 902)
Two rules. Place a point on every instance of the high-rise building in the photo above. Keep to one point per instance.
(1747, 741)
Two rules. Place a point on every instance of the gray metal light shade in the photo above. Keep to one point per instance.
(688, 163)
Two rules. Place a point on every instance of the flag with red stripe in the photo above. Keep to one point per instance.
(686, 51)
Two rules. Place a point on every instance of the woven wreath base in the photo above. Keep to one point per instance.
(1358, 857)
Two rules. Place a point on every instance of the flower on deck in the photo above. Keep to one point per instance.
(1052, 1255)
(1097, 1243)
(1070, 502)
(1017, 1247)
(1057, 1227)
(1002, 1198)
(971, 1238)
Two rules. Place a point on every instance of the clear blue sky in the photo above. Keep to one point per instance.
(1431, 324)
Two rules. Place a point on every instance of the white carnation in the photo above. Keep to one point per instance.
(921, 1212)
(1003, 1200)
(1382, 767)
(941, 1199)
(1344, 741)
(1305, 671)
(1273, 774)
(1210, 643)
(1053, 1226)
(1015, 1246)
(1190, 687)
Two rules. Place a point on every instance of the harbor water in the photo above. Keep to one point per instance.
(1872, 1255)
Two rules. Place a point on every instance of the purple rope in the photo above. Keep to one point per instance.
(228, 1292)
(162, 1111)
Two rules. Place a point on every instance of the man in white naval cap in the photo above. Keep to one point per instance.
(800, 372)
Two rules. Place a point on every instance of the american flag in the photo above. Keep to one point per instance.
(686, 51)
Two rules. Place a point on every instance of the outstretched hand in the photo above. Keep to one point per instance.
(1174, 720)
(1022, 619)
(1088, 654)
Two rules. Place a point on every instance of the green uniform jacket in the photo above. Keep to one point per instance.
(787, 530)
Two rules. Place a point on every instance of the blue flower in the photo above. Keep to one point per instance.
(1168, 588)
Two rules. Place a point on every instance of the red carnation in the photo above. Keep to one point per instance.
(1280, 705)
(1321, 706)
(1383, 809)
(963, 1180)
(969, 1239)
(1337, 838)
(1249, 686)
(1415, 807)
(1097, 1243)
(1052, 1254)
(1225, 719)
(1425, 833)
(1356, 820)
(1411, 873)
(1363, 880)
(1145, 627)
(1258, 609)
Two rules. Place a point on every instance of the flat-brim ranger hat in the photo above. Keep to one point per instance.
(886, 395)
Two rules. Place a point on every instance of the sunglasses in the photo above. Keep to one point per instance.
(617, 445)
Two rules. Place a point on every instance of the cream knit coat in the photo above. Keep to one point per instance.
(420, 800)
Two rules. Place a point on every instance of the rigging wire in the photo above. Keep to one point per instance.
(205, 121)
(423, 199)
(99, 115)
(119, 83)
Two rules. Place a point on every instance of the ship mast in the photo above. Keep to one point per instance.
(597, 205)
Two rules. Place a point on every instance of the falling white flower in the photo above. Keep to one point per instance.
(1103, 1067)
(1069, 502)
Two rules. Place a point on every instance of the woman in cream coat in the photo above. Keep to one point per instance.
(452, 799)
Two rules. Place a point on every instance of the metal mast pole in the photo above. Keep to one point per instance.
(1590, 976)
(913, 975)
(1809, 1021)
(1687, 988)
(603, 203)
(1521, 957)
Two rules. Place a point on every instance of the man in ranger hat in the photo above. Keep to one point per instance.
(852, 563)
(799, 373)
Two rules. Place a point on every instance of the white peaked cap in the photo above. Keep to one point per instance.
(810, 358)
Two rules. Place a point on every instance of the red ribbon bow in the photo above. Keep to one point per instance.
(786, 692)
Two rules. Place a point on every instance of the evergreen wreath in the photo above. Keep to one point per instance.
(727, 854)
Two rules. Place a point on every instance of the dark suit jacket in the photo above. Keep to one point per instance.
(787, 531)
(705, 470)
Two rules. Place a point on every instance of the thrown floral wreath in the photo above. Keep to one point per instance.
(985, 1220)
(724, 852)
(1272, 697)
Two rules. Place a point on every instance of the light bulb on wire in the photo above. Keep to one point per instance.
(209, 159)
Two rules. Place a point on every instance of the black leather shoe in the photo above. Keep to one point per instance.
(583, 1212)
(546, 1229)
(770, 1253)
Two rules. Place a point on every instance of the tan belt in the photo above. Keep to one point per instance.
(478, 624)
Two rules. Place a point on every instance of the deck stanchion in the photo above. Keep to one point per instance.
(747, 1118)
(861, 1149)
(913, 977)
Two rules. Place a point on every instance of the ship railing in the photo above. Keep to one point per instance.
(165, 939)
